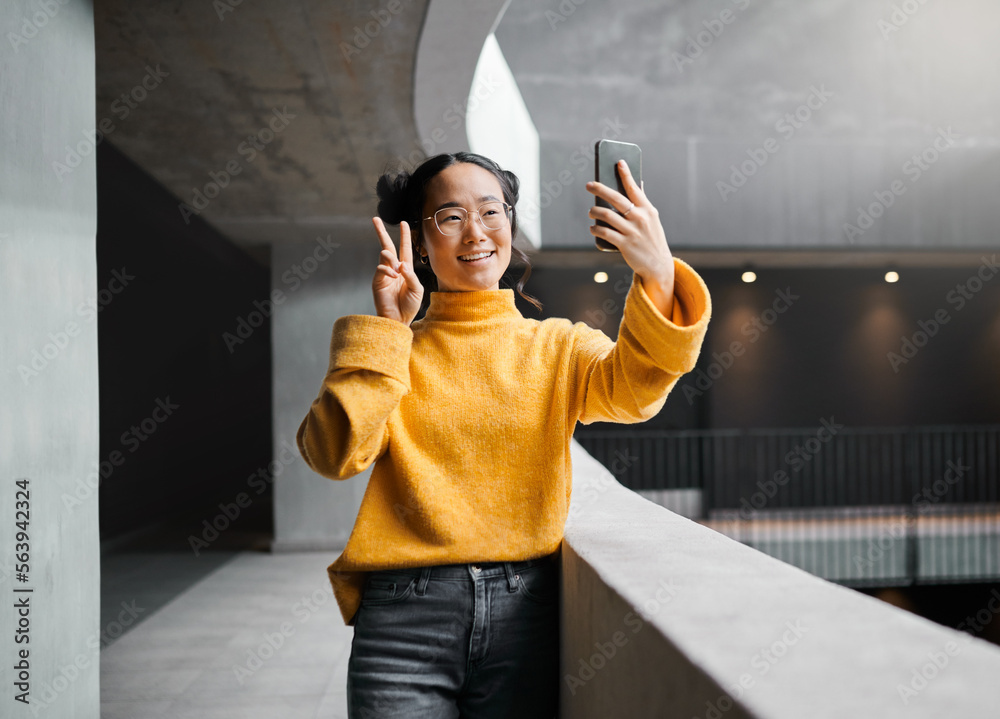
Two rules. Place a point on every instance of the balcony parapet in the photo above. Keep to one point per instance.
(663, 617)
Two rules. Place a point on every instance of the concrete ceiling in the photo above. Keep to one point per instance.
(341, 75)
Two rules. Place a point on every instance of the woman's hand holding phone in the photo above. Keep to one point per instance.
(638, 235)
(396, 288)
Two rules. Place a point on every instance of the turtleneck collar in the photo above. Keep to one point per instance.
(471, 306)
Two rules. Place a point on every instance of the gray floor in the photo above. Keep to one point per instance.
(237, 635)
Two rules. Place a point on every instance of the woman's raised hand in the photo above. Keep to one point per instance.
(396, 288)
(638, 234)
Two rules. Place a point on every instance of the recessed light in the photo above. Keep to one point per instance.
(892, 276)
(749, 276)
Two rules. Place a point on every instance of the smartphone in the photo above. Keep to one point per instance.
(607, 153)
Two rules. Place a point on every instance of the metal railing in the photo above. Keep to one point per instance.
(826, 466)
(860, 506)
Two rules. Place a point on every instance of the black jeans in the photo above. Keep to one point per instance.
(479, 641)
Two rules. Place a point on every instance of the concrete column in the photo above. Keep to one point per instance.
(50, 555)
(313, 283)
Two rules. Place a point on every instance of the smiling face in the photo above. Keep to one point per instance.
(451, 256)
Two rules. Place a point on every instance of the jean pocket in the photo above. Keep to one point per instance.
(539, 584)
(383, 588)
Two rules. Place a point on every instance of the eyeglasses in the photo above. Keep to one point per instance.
(451, 220)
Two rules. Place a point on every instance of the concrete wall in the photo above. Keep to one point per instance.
(848, 326)
(48, 355)
(853, 328)
(318, 282)
(770, 124)
(663, 617)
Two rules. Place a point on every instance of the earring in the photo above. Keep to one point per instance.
(424, 260)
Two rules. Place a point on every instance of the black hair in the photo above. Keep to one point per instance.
(401, 198)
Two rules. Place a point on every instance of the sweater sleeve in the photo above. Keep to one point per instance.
(369, 373)
(628, 380)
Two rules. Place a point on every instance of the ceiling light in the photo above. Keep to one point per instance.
(748, 276)
(600, 277)
(892, 276)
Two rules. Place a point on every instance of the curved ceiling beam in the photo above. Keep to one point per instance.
(465, 98)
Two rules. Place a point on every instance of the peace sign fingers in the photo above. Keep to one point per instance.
(396, 288)
(405, 245)
(388, 254)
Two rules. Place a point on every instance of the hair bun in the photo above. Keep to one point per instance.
(393, 196)
(515, 185)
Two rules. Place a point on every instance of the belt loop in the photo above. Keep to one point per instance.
(511, 581)
(425, 576)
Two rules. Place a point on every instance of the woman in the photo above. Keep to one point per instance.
(450, 576)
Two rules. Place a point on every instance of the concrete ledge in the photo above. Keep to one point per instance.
(663, 617)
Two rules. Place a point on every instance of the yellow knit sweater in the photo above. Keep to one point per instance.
(468, 415)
